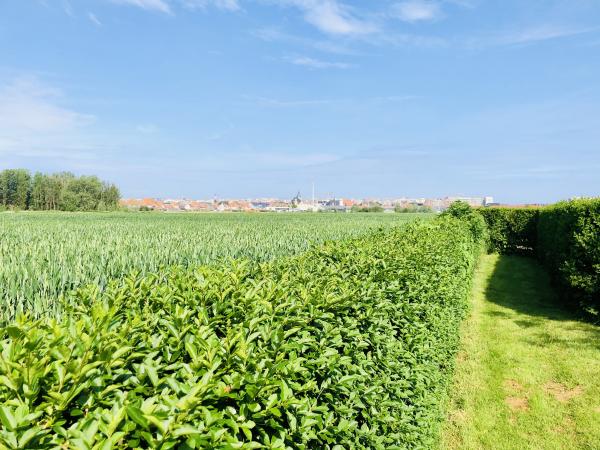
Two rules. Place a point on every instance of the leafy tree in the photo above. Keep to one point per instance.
(370, 208)
(110, 196)
(38, 192)
(59, 191)
(3, 189)
(14, 188)
(412, 209)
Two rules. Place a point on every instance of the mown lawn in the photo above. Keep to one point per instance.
(528, 375)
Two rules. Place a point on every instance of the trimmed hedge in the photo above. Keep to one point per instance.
(350, 345)
(511, 230)
(569, 248)
(566, 239)
(463, 211)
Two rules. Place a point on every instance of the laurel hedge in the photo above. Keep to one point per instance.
(350, 345)
(565, 237)
(568, 236)
(512, 230)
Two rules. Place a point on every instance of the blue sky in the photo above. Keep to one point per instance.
(247, 98)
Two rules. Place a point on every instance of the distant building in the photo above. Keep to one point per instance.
(279, 206)
(333, 205)
(147, 203)
(197, 205)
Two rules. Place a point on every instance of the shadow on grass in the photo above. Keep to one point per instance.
(521, 284)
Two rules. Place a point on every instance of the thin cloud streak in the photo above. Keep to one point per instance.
(317, 63)
(94, 19)
(278, 103)
(150, 5)
(530, 35)
(68, 9)
(271, 34)
(227, 5)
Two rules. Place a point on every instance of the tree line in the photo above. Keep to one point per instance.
(377, 207)
(413, 209)
(59, 191)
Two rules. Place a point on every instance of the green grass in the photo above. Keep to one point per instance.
(528, 375)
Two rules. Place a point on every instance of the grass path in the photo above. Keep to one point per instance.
(528, 376)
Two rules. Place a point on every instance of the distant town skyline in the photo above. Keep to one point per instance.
(259, 98)
(299, 204)
(321, 197)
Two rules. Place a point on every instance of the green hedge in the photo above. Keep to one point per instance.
(512, 230)
(464, 212)
(566, 239)
(568, 236)
(350, 345)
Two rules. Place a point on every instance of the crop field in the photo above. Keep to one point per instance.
(43, 255)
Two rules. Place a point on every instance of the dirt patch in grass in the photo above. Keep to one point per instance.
(561, 393)
(513, 385)
(517, 403)
(567, 427)
(457, 416)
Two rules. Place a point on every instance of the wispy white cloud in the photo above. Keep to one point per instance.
(532, 35)
(151, 5)
(26, 104)
(331, 16)
(348, 47)
(408, 40)
(228, 5)
(94, 19)
(166, 6)
(317, 63)
(417, 11)
(272, 34)
(32, 119)
(279, 103)
(68, 9)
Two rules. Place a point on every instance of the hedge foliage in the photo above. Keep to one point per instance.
(511, 230)
(568, 236)
(462, 210)
(566, 239)
(350, 345)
